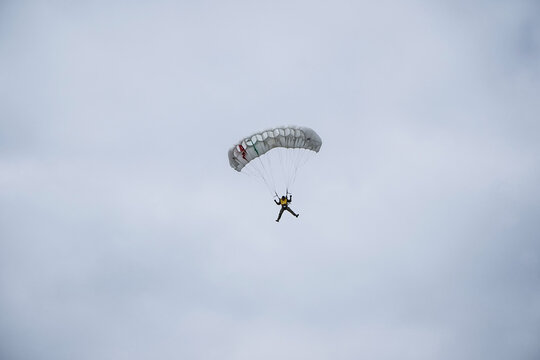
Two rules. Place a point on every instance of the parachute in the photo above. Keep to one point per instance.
(275, 155)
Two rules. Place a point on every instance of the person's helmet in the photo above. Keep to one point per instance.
(283, 197)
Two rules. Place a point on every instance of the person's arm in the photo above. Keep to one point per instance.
(290, 199)
(277, 202)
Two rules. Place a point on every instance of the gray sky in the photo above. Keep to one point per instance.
(124, 234)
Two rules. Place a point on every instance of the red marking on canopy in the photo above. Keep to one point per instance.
(243, 151)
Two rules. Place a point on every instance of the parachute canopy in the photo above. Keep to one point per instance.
(275, 154)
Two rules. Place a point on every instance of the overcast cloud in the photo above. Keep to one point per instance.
(124, 233)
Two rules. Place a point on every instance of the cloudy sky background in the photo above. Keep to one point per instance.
(124, 234)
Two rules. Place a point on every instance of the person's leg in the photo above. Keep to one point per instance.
(280, 213)
(292, 212)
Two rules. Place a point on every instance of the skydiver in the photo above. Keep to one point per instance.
(284, 202)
